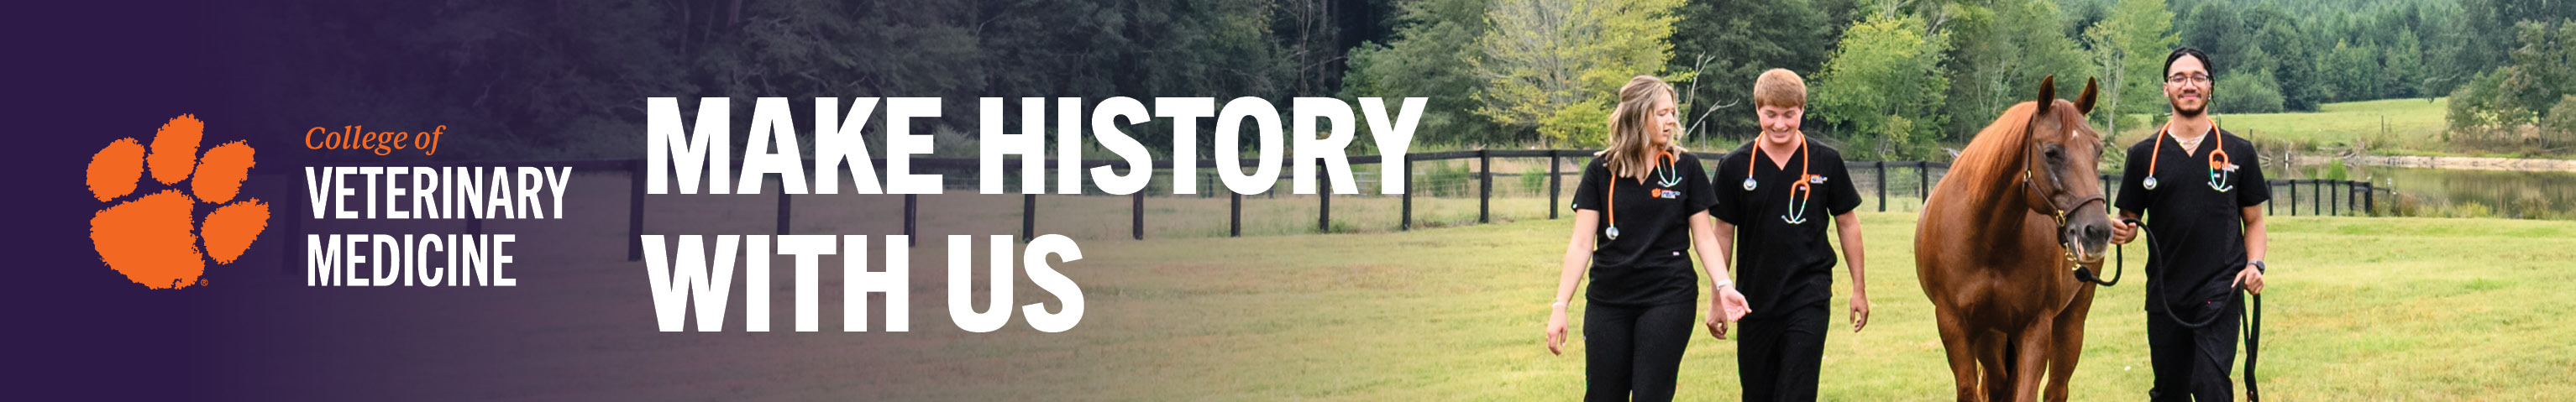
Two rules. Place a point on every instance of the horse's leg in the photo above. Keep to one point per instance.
(1963, 363)
(1995, 352)
(2070, 343)
(2031, 361)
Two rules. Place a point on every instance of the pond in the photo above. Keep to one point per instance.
(2473, 193)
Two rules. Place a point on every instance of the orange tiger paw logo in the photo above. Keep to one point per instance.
(154, 239)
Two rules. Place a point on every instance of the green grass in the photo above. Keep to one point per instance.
(2390, 126)
(2359, 309)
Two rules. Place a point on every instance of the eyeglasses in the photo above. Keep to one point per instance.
(2188, 78)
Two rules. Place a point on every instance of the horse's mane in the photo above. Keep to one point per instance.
(1991, 158)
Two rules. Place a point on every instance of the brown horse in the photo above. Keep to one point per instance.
(2020, 208)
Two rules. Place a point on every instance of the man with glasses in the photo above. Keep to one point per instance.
(2202, 190)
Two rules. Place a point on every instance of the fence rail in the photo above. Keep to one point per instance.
(2345, 197)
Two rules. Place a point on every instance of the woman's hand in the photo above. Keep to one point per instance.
(1728, 307)
(1556, 330)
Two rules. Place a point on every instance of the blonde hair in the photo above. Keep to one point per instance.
(1628, 155)
(1779, 87)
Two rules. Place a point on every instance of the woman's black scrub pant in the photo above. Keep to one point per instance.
(1635, 352)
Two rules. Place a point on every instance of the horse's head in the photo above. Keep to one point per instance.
(2059, 153)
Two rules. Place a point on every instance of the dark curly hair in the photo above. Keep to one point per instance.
(2179, 52)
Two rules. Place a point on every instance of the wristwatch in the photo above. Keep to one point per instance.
(2258, 266)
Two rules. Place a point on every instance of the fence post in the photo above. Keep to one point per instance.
(1323, 204)
(1882, 186)
(911, 211)
(2317, 197)
(1485, 187)
(2294, 197)
(1140, 215)
(1922, 180)
(1407, 224)
(2370, 198)
(1028, 216)
(2352, 201)
(1553, 183)
(635, 211)
(2267, 204)
(1234, 219)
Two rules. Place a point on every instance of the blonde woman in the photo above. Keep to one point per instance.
(1641, 204)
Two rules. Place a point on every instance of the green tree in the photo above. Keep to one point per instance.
(2447, 51)
(2303, 87)
(2129, 48)
(2402, 72)
(2474, 109)
(1556, 65)
(2217, 29)
(1998, 54)
(2562, 117)
(1884, 87)
(2251, 88)
(1433, 55)
(2527, 92)
(2540, 73)
(1730, 42)
(2351, 71)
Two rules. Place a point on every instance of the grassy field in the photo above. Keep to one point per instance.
(2360, 309)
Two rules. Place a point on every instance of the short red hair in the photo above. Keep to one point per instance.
(1780, 87)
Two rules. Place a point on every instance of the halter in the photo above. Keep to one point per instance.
(2030, 149)
(1800, 193)
(1665, 176)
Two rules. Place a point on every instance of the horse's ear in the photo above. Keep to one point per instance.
(2084, 103)
(2047, 92)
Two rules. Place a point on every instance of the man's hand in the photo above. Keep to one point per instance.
(1556, 331)
(2250, 279)
(1859, 311)
(2122, 232)
(1726, 309)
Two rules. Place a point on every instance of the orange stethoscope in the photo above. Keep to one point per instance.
(1799, 193)
(1665, 176)
(2220, 166)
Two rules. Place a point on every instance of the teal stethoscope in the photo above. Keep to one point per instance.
(1665, 176)
(2220, 166)
(1799, 192)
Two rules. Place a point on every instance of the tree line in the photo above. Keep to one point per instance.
(1888, 79)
